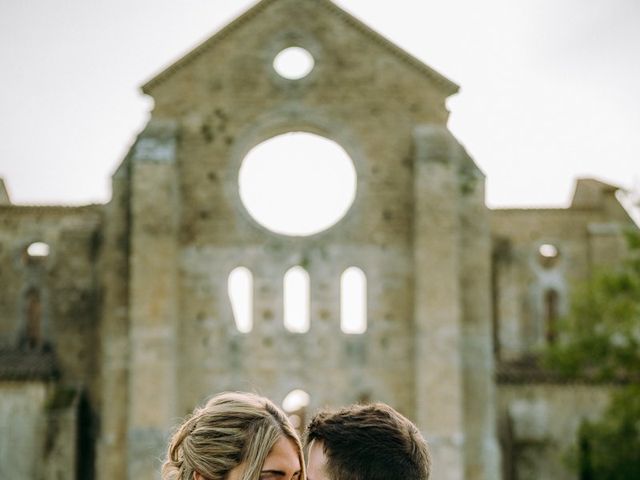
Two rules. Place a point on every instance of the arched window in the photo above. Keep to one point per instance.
(295, 405)
(33, 319)
(353, 301)
(551, 315)
(296, 300)
(240, 287)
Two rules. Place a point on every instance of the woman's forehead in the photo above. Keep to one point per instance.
(284, 453)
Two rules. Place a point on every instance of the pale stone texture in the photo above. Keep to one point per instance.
(133, 298)
(22, 424)
(539, 424)
(38, 439)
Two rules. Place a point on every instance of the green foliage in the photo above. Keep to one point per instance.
(610, 447)
(600, 340)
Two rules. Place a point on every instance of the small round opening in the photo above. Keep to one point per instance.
(293, 63)
(35, 254)
(548, 251)
(548, 255)
(38, 249)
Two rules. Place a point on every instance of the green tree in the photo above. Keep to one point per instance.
(600, 340)
(609, 449)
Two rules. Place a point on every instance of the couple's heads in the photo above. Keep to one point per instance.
(235, 436)
(240, 436)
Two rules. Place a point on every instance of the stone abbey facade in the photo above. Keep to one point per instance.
(115, 320)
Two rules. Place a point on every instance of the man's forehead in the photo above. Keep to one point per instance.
(317, 461)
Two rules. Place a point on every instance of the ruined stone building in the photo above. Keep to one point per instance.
(116, 320)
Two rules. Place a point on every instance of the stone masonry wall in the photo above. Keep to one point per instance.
(538, 425)
(587, 237)
(65, 280)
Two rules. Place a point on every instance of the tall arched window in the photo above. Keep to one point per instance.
(353, 301)
(296, 300)
(33, 318)
(240, 287)
(551, 315)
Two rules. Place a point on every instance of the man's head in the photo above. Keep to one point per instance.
(366, 442)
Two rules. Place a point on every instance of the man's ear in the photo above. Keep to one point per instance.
(197, 476)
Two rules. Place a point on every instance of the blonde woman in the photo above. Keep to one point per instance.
(235, 436)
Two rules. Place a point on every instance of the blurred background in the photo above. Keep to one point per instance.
(548, 89)
(519, 323)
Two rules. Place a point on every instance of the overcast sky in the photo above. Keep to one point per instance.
(550, 89)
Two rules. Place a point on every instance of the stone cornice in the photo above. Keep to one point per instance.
(24, 365)
(529, 371)
(60, 209)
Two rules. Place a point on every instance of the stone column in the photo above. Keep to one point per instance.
(114, 331)
(439, 381)
(482, 454)
(153, 299)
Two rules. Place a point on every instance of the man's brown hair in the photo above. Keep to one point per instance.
(370, 442)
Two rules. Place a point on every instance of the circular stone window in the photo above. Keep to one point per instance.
(36, 253)
(297, 184)
(293, 63)
(548, 255)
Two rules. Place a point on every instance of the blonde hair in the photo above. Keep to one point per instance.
(230, 430)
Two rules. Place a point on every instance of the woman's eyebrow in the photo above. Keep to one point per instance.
(279, 472)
